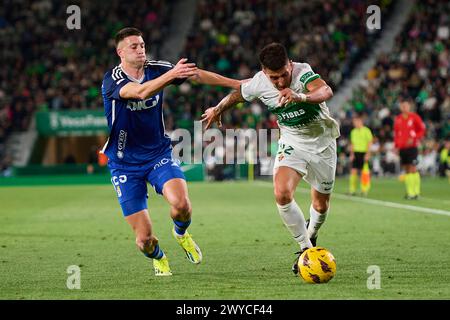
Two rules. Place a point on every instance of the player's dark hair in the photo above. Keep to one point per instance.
(273, 56)
(126, 32)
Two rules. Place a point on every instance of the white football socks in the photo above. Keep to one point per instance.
(293, 219)
(316, 219)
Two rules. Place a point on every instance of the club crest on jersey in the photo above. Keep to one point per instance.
(143, 104)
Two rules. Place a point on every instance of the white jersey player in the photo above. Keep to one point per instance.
(307, 144)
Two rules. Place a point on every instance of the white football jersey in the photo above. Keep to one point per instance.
(307, 125)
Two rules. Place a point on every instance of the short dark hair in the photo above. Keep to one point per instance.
(273, 56)
(126, 32)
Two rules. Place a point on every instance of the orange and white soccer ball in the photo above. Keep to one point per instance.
(317, 265)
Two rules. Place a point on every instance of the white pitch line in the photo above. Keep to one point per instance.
(391, 204)
(379, 202)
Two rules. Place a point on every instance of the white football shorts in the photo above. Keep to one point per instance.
(319, 170)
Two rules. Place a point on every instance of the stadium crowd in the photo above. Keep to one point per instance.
(417, 67)
(54, 68)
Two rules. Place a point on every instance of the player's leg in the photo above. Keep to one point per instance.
(353, 181)
(131, 191)
(176, 193)
(415, 173)
(321, 177)
(412, 176)
(357, 165)
(404, 162)
(318, 212)
(285, 181)
(147, 242)
(168, 180)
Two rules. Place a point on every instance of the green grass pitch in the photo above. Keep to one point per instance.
(247, 250)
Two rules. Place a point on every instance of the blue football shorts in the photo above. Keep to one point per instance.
(130, 182)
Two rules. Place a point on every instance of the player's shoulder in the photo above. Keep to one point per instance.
(301, 66)
(114, 74)
(302, 72)
(258, 81)
(259, 76)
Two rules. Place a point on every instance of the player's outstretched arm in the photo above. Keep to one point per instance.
(143, 91)
(214, 79)
(214, 114)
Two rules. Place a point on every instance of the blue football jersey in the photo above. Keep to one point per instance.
(137, 133)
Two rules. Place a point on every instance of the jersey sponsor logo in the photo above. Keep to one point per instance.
(292, 114)
(143, 104)
(163, 161)
(121, 143)
(297, 114)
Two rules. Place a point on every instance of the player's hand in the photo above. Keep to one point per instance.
(352, 157)
(287, 96)
(183, 69)
(210, 116)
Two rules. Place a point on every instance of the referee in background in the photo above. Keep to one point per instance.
(361, 140)
(409, 129)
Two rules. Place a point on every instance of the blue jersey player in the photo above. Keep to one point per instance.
(138, 149)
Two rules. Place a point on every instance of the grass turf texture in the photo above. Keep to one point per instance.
(247, 250)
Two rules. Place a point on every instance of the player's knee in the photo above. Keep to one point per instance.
(283, 195)
(321, 206)
(182, 208)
